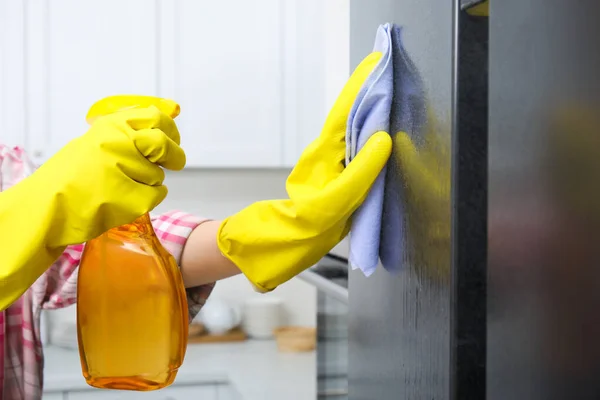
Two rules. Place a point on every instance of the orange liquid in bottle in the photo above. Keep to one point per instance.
(132, 318)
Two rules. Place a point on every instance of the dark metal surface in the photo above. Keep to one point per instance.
(544, 204)
(469, 207)
(399, 324)
(543, 221)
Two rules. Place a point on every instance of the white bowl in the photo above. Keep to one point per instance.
(261, 316)
(218, 317)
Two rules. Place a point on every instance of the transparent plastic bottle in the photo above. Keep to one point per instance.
(132, 318)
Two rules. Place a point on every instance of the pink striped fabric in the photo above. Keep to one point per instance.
(21, 353)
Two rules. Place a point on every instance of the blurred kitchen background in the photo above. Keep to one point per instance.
(254, 81)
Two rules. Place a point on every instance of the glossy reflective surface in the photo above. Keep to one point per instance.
(399, 324)
(544, 200)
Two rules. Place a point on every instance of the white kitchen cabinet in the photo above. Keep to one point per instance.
(207, 392)
(78, 52)
(225, 66)
(254, 79)
(59, 57)
(317, 67)
(12, 94)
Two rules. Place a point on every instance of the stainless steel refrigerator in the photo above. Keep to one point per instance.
(508, 305)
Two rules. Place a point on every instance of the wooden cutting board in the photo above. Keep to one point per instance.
(235, 335)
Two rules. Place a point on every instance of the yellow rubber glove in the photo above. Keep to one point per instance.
(272, 241)
(103, 179)
(425, 174)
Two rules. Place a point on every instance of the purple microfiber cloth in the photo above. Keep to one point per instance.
(391, 100)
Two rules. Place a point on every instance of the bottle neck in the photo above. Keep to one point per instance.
(141, 224)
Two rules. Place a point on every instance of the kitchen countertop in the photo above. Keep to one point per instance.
(255, 369)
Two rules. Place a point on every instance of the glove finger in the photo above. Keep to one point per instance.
(159, 148)
(335, 125)
(150, 118)
(143, 171)
(356, 180)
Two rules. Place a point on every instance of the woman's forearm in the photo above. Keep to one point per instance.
(201, 261)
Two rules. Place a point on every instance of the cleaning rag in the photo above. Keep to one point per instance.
(391, 100)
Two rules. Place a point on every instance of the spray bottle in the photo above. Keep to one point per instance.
(132, 318)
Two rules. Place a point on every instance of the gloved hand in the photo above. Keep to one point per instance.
(272, 241)
(103, 179)
(425, 174)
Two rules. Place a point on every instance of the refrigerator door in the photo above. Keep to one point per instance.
(544, 200)
(399, 323)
